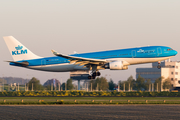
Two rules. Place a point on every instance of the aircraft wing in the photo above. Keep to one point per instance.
(81, 60)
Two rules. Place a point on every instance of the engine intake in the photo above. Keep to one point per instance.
(115, 65)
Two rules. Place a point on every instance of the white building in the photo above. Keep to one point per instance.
(169, 69)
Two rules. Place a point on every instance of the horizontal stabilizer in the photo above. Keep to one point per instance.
(24, 64)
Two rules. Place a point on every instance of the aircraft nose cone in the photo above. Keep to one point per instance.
(175, 52)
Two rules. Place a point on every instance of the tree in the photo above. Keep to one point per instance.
(51, 84)
(126, 85)
(36, 84)
(167, 84)
(3, 81)
(69, 84)
(132, 83)
(111, 84)
(48, 87)
(102, 83)
(158, 82)
(120, 83)
(140, 83)
(92, 82)
(148, 82)
(63, 86)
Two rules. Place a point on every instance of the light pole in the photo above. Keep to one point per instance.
(91, 87)
(18, 86)
(61, 83)
(26, 89)
(3, 82)
(97, 86)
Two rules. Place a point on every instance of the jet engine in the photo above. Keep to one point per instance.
(115, 65)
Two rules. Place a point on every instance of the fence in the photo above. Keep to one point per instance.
(82, 101)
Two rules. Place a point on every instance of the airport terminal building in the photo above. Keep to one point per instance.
(169, 69)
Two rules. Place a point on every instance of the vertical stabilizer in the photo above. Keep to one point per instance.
(18, 50)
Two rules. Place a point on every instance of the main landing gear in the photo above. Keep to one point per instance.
(94, 74)
(159, 66)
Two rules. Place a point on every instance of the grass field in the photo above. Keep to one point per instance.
(90, 100)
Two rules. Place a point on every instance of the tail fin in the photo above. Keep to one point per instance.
(17, 50)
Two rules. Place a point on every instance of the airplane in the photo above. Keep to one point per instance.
(118, 59)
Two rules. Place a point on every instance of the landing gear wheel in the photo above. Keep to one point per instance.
(96, 74)
(159, 67)
(91, 77)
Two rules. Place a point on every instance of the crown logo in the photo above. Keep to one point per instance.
(140, 50)
(19, 47)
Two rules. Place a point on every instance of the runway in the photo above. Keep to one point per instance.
(135, 112)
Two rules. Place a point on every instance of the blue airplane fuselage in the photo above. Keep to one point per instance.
(131, 56)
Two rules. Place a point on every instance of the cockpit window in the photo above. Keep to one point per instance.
(169, 49)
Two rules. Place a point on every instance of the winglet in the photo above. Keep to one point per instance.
(54, 52)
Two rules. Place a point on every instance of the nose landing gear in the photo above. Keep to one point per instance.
(159, 66)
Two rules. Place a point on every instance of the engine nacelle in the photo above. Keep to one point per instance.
(116, 65)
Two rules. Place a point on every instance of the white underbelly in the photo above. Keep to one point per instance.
(58, 67)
